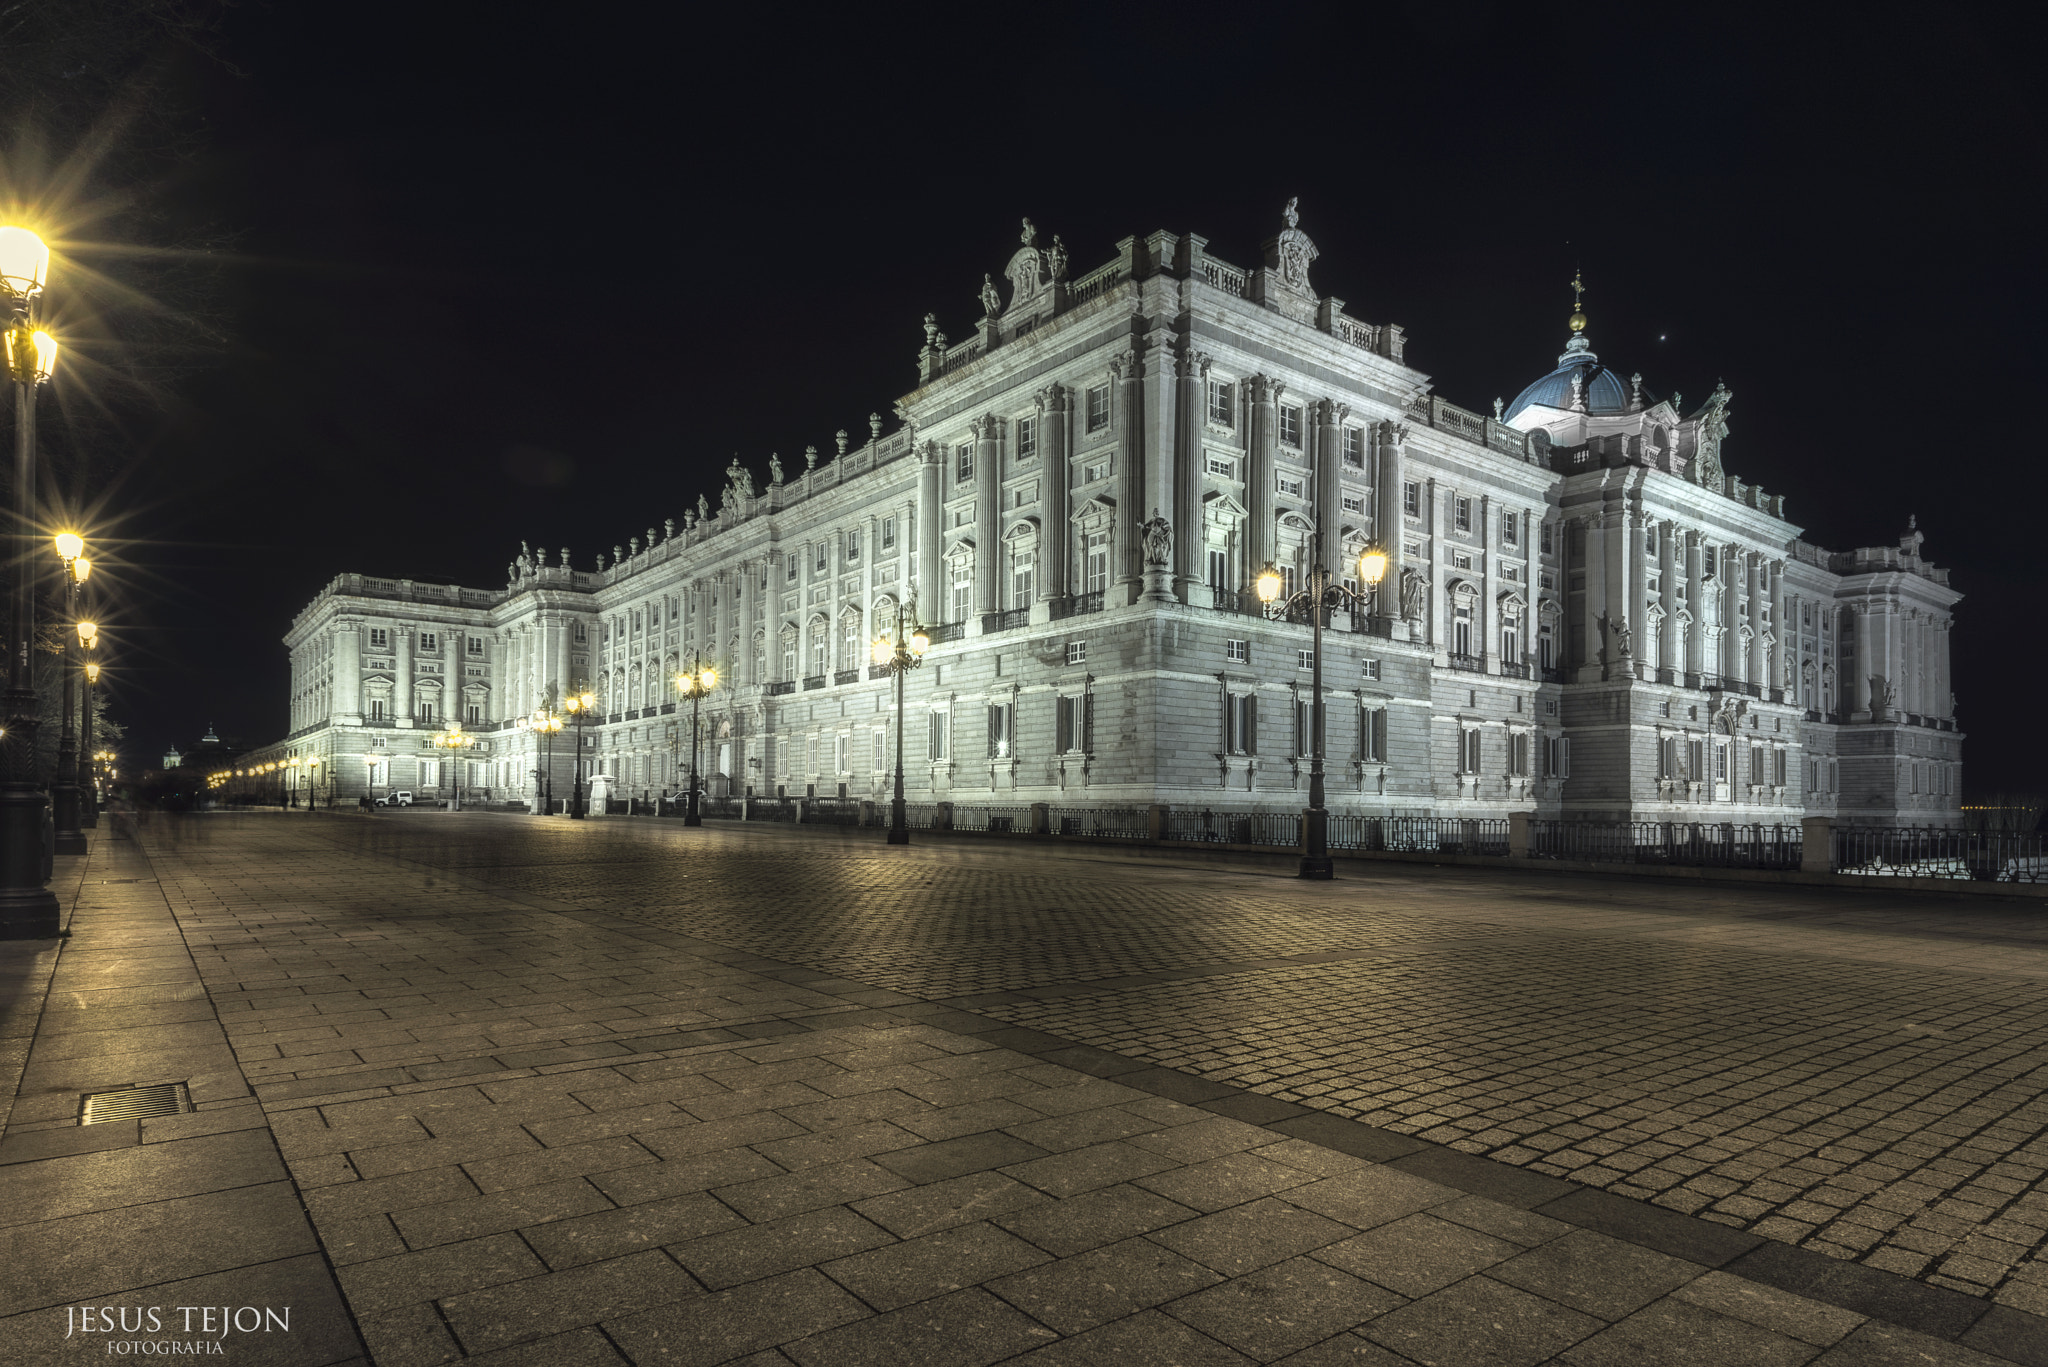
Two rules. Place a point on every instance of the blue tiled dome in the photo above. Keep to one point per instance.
(1606, 392)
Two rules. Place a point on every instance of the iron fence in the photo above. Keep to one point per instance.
(1696, 844)
(993, 820)
(1447, 834)
(1276, 829)
(1931, 852)
(1110, 823)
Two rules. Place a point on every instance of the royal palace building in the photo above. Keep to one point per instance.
(1584, 614)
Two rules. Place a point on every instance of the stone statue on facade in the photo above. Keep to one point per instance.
(1056, 260)
(1880, 695)
(703, 508)
(1295, 252)
(991, 297)
(525, 560)
(741, 480)
(1498, 409)
(1158, 535)
(775, 467)
(1414, 595)
(1624, 639)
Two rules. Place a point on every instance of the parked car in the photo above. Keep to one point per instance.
(2032, 868)
(398, 799)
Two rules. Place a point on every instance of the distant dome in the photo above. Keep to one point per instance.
(1606, 392)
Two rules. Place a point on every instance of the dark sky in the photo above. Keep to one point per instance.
(539, 273)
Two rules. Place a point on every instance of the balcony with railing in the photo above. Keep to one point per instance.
(846, 676)
(814, 681)
(1011, 619)
(1471, 664)
(946, 631)
(1514, 669)
(1077, 605)
(781, 686)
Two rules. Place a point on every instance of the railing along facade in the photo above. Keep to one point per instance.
(1934, 852)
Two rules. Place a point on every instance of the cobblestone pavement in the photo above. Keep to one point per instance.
(559, 1092)
(1859, 1074)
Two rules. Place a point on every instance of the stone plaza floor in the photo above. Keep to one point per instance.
(541, 1091)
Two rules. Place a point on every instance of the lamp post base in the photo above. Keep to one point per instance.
(1319, 866)
(897, 837)
(692, 819)
(71, 842)
(28, 914)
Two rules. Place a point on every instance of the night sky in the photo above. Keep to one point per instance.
(539, 273)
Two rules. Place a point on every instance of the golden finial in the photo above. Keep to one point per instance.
(1578, 318)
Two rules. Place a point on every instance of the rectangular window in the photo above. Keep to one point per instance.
(1557, 756)
(888, 532)
(1096, 471)
(376, 709)
(1027, 439)
(1720, 764)
(1000, 717)
(430, 773)
(1236, 652)
(1756, 764)
(425, 711)
(963, 462)
(963, 593)
(842, 753)
(1241, 723)
(881, 748)
(795, 567)
(1469, 757)
(1221, 403)
(1518, 754)
(1462, 510)
(963, 514)
(1546, 541)
(1290, 487)
(1020, 586)
(476, 714)
(1368, 669)
(1074, 723)
(810, 754)
(852, 547)
(1095, 563)
(1077, 652)
(1024, 495)
(1354, 446)
(1461, 562)
(380, 639)
(1219, 571)
(430, 641)
(1306, 723)
(1778, 767)
(1224, 466)
(1304, 659)
(1354, 503)
(821, 564)
(1510, 529)
(1290, 427)
(1411, 499)
(582, 633)
(1098, 408)
(935, 736)
(1372, 734)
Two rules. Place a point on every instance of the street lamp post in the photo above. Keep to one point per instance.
(28, 909)
(89, 796)
(899, 655)
(370, 760)
(693, 684)
(455, 742)
(544, 724)
(1317, 597)
(64, 792)
(579, 705)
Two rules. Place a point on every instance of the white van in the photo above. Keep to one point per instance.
(398, 799)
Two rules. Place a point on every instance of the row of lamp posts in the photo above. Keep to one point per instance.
(28, 909)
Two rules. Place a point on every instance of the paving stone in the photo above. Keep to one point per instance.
(544, 1306)
(1679, 1331)
(729, 1325)
(771, 1198)
(574, 1160)
(1227, 1181)
(612, 1233)
(934, 1206)
(1370, 1196)
(1248, 1237)
(411, 1336)
(1875, 1344)
(1079, 1170)
(1779, 1311)
(577, 1348)
(388, 1283)
(918, 1269)
(1103, 1284)
(453, 1221)
(1078, 1129)
(1481, 1323)
(1076, 1224)
(965, 1329)
(1284, 1308)
(935, 1162)
(1417, 1254)
(762, 1250)
(1344, 1350)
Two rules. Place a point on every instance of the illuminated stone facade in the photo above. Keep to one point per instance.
(1585, 613)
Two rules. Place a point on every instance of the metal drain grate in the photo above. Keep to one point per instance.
(135, 1103)
(127, 880)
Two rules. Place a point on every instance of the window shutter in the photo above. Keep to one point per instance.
(1088, 722)
(1379, 734)
(1065, 723)
(1564, 750)
(995, 729)
(1251, 723)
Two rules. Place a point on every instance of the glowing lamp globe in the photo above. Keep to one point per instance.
(1372, 565)
(1268, 584)
(70, 545)
(24, 260)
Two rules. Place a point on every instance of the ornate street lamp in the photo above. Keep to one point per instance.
(693, 684)
(1317, 597)
(455, 742)
(28, 909)
(64, 792)
(544, 724)
(371, 758)
(898, 656)
(89, 793)
(579, 705)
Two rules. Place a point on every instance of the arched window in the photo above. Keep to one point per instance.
(819, 646)
(850, 652)
(789, 640)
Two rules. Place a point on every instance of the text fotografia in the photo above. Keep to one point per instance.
(208, 1324)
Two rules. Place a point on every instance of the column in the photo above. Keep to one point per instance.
(1438, 624)
(348, 671)
(1785, 625)
(1054, 408)
(1668, 656)
(988, 510)
(1129, 388)
(401, 686)
(1188, 567)
(1328, 467)
(1731, 620)
(1594, 604)
(744, 592)
(1258, 482)
(1161, 434)
(1387, 524)
(1617, 563)
(1488, 625)
(1752, 608)
(1857, 694)
(931, 512)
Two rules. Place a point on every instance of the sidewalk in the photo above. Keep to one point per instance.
(455, 1118)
